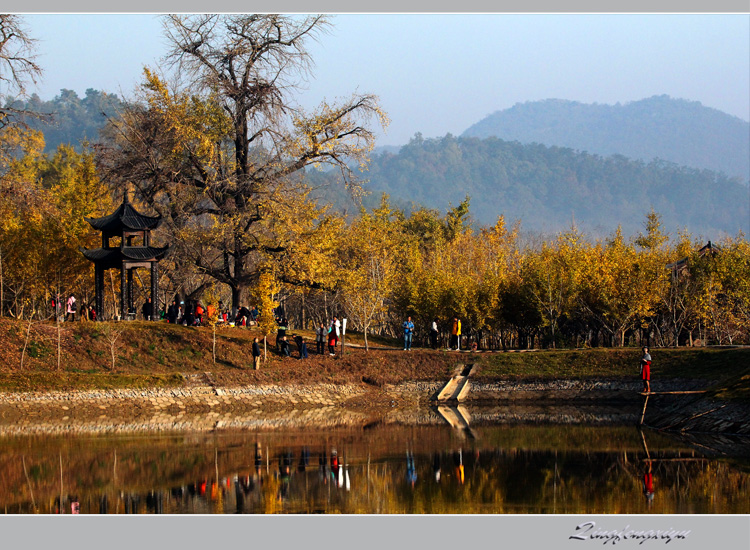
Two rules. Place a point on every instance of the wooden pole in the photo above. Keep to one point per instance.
(643, 414)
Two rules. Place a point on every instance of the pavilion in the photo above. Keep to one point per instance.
(134, 251)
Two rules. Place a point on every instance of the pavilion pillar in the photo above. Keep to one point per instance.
(154, 291)
(123, 291)
(99, 291)
(130, 291)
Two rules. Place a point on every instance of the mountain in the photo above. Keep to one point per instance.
(548, 187)
(676, 130)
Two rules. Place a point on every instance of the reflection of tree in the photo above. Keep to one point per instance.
(158, 475)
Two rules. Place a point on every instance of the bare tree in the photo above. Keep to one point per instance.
(18, 65)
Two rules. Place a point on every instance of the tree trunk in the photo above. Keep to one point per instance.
(238, 296)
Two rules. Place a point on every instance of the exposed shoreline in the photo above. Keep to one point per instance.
(322, 405)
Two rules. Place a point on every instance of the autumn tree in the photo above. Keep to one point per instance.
(265, 292)
(369, 264)
(221, 155)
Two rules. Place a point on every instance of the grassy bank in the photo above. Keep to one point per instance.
(163, 355)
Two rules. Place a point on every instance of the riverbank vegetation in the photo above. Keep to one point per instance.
(150, 355)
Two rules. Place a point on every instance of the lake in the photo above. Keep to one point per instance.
(389, 467)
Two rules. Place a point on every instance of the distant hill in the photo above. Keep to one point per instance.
(72, 119)
(676, 130)
(547, 187)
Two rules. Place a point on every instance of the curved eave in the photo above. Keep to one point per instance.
(113, 257)
(124, 218)
(145, 254)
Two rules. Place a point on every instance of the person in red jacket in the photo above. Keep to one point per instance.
(646, 370)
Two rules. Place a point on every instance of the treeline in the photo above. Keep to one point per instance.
(509, 290)
(548, 187)
(68, 119)
(220, 154)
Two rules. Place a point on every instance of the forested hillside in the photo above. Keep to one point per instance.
(69, 118)
(547, 187)
(680, 131)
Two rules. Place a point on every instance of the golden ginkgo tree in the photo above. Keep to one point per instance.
(221, 154)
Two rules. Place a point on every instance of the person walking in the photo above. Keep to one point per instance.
(646, 370)
(256, 353)
(408, 333)
(434, 333)
(320, 339)
(71, 308)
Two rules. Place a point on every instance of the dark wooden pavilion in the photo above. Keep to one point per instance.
(135, 250)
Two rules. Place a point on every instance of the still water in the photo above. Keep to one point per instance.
(383, 468)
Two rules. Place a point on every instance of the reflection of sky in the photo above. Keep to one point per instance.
(442, 73)
(383, 470)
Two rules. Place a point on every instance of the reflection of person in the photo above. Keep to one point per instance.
(258, 457)
(411, 471)
(646, 370)
(648, 484)
(458, 460)
(436, 467)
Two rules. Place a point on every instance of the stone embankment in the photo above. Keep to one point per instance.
(202, 406)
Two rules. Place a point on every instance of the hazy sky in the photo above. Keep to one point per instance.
(441, 73)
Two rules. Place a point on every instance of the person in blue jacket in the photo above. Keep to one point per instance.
(408, 332)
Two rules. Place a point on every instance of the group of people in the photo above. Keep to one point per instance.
(455, 337)
(72, 309)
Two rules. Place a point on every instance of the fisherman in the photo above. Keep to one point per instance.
(646, 370)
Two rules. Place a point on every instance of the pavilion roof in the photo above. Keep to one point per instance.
(114, 256)
(125, 217)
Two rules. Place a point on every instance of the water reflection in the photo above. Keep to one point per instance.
(385, 469)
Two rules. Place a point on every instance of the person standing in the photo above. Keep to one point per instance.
(320, 339)
(283, 346)
(434, 333)
(146, 310)
(408, 333)
(301, 346)
(256, 353)
(646, 370)
(71, 308)
(331, 341)
(173, 312)
(456, 334)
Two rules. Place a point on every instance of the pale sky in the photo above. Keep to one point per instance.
(437, 74)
